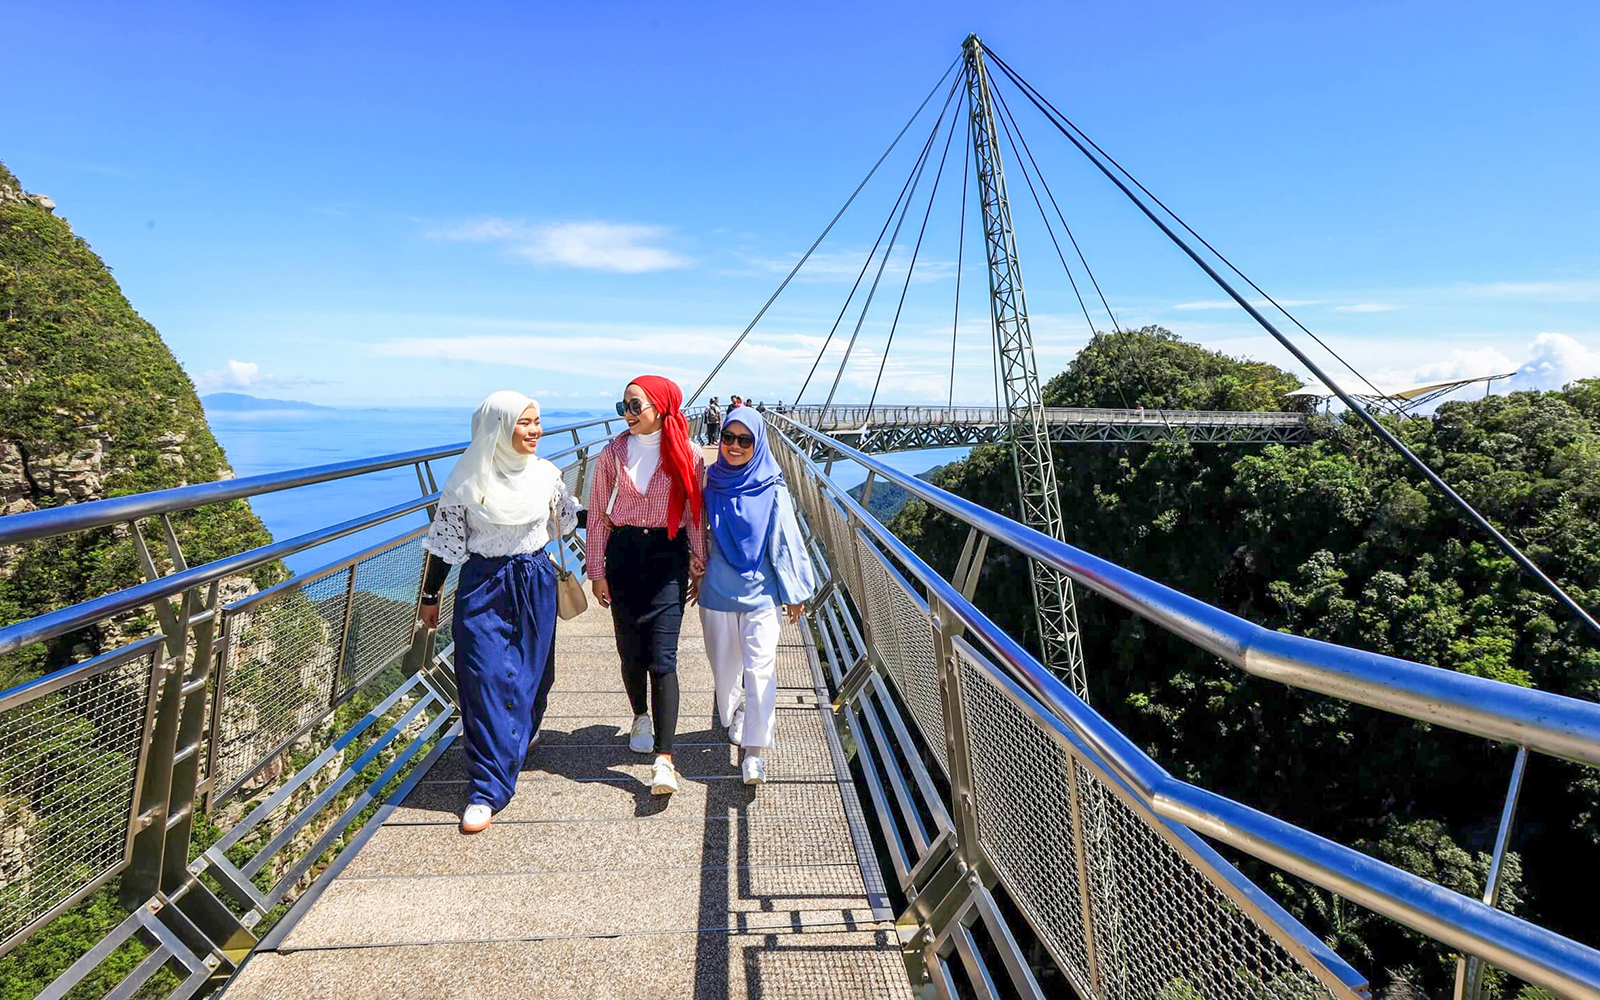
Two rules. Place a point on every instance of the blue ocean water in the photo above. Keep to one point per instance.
(261, 441)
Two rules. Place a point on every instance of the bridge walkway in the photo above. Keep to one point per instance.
(587, 885)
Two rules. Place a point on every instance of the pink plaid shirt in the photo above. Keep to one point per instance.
(646, 510)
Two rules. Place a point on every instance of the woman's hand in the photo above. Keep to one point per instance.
(429, 615)
(697, 566)
(602, 592)
(793, 612)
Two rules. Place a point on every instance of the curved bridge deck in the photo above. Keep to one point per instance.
(589, 886)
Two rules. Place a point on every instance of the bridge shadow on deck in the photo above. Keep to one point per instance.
(587, 885)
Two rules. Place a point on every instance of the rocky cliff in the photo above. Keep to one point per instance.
(92, 404)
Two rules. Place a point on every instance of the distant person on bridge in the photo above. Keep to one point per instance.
(713, 420)
(757, 560)
(642, 552)
(494, 522)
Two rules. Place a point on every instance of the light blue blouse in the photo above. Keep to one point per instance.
(785, 575)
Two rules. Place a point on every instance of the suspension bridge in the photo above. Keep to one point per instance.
(948, 815)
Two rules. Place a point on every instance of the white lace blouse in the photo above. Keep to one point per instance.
(457, 532)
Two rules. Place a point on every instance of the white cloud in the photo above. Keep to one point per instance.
(1258, 303)
(1556, 360)
(1577, 290)
(629, 248)
(1366, 307)
(846, 265)
(1466, 364)
(239, 376)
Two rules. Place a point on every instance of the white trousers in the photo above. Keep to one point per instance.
(743, 648)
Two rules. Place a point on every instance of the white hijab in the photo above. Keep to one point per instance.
(491, 479)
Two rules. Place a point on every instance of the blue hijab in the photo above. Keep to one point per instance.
(742, 501)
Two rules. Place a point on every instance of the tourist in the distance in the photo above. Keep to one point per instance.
(494, 521)
(756, 562)
(642, 553)
(713, 420)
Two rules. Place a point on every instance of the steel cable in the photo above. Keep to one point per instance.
(904, 188)
(818, 241)
(1505, 544)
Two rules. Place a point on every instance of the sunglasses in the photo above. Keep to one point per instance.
(633, 406)
(742, 440)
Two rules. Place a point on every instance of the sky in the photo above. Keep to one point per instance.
(417, 204)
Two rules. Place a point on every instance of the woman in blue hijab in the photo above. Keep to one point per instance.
(756, 562)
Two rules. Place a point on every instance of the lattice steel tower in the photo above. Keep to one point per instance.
(1030, 438)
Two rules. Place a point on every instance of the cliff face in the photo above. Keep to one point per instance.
(92, 404)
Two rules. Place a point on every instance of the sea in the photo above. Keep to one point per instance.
(259, 441)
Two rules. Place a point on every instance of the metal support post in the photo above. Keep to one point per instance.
(963, 805)
(1469, 968)
(1028, 429)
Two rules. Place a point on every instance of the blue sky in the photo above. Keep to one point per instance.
(419, 203)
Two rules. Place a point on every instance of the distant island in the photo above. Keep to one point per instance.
(238, 401)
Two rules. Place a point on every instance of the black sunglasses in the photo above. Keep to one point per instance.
(633, 406)
(742, 440)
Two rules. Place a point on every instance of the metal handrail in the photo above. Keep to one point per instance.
(76, 616)
(896, 415)
(35, 524)
(1563, 727)
(1534, 953)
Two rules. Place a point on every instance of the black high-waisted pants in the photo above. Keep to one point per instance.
(648, 574)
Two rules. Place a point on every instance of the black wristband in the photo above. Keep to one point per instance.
(430, 600)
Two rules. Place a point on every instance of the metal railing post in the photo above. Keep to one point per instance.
(1469, 968)
(334, 689)
(142, 879)
(963, 803)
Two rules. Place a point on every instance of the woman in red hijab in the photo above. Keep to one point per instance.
(642, 553)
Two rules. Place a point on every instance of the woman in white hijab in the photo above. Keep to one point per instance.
(494, 522)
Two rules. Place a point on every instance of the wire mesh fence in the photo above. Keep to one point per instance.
(1122, 908)
(68, 774)
(383, 611)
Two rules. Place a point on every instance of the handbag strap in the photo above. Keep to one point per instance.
(555, 533)
(616, 481)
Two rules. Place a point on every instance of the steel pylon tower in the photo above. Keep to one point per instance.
(1040, 503)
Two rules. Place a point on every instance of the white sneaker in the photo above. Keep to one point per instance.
(475, 818)
(755, 771)
(736, 727)
(663, 778)
(643, 737)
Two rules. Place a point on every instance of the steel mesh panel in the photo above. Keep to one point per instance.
(1162, 928)
(66, 789)
(919, 668)
(882, 633)
(383, 611)
(447, 610)
(1021, 782)
(844, 552)
(280, 673)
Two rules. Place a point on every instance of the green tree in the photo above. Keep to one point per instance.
(1335, 540)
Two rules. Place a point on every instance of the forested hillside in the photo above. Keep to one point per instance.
(92, 404)
(1335, 540)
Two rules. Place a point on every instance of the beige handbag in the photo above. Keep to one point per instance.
(570, 601)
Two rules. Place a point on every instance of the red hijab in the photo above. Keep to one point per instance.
(677, 455)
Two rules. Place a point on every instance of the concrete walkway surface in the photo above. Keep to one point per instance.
(588, 886)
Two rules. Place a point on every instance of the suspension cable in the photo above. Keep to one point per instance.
(961, 241)
(818, 241)
(912, 267)
(1022, 167)
(1016, 78)
(1505, 544)
(904, 188)
(888, 251)
(1014, 134)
